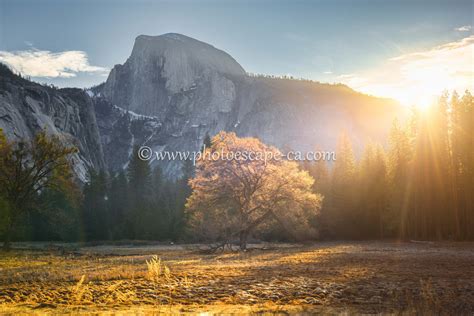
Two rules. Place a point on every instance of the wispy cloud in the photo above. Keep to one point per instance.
(417, 78)
(464, 28)
(46, 64)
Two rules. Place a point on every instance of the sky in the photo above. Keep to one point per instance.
(408, 50)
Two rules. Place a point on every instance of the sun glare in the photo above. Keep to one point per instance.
(419, 78)
(421, 101)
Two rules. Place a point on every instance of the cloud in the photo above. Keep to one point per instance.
(43, 63)
(327, 72)
(465, 28)
(417, 78)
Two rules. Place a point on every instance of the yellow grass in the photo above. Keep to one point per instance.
(325, 277)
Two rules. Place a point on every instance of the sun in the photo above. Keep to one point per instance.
(421, 101)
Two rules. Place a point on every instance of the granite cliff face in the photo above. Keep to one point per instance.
(173, 72)
(171, 92)
(27, 107)
(192, 88)
(189, 86)
(121, 130)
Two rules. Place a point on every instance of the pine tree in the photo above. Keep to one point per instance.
(139, 215)
(95, 207)
(373, 196)
(119, 204)
(342, 203)
(183, 191)
(431, 181)
(319, 171)
(160, 216)
(399, 157)
(464, 136)
(367, 184)
(139, 178)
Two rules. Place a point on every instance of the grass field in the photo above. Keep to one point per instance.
(329, 277)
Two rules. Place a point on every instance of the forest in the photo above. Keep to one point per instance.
(416, 186)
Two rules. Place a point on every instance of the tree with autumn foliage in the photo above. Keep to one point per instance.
(233, 198)
(30, 170)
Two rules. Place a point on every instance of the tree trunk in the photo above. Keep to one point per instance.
(7, 242)
(8, 234)
(243, 239)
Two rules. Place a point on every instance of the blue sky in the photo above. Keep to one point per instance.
(320, 40)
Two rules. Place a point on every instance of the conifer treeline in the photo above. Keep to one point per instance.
(421, 187)
(138, 203)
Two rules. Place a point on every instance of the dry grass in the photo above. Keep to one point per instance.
(80, 293)
(327, 277)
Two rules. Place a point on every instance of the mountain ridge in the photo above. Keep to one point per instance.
(183, 94)
(186, 92)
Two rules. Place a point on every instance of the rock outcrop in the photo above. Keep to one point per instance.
(192, 88)
(27, 107)
(121, 130)
(176, 71)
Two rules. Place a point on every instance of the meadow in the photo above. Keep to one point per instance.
(328, 277)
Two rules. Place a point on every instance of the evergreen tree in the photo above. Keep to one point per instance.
(140, 211)
(119, 204)
(467, 174)
(95, 219)
(159, 205)
(399, 168)
(139, 177)
(319, 171)
(342, 204)
(373, 200)
(431, 175)
(183, 191)
(463, 161)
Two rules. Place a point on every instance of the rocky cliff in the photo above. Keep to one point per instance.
(27, 107)
(171, 92)
(192, 88)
